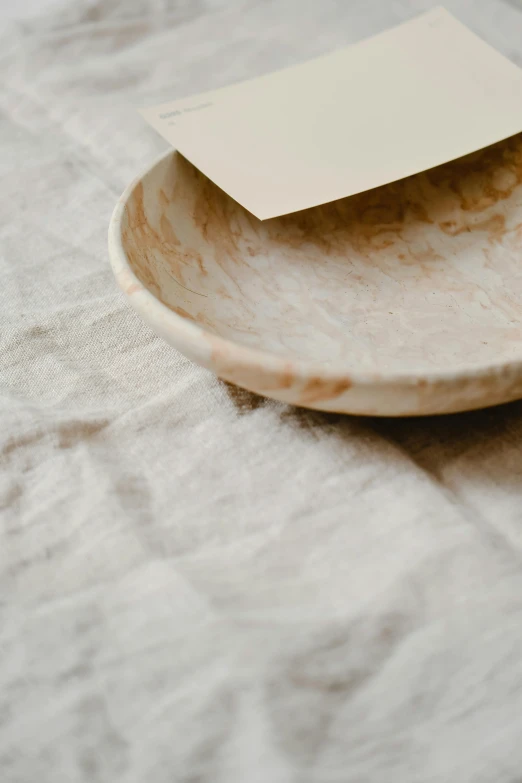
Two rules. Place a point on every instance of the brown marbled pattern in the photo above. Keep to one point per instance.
(405, 299)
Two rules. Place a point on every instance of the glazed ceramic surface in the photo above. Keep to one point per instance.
(403, 300)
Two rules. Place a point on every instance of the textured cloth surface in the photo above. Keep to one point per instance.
(197, 584)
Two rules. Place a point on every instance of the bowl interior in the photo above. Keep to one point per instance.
(418, 275)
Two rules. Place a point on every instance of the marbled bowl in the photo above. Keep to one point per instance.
(404, 300)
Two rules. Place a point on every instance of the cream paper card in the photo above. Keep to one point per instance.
(406, 100)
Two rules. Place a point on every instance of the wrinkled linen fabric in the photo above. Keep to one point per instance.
(199, 585)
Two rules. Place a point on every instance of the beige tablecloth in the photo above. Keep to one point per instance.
(197, 584)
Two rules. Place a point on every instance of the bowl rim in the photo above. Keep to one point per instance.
(244, 357)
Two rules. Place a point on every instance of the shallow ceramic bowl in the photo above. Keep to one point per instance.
(404, 300)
